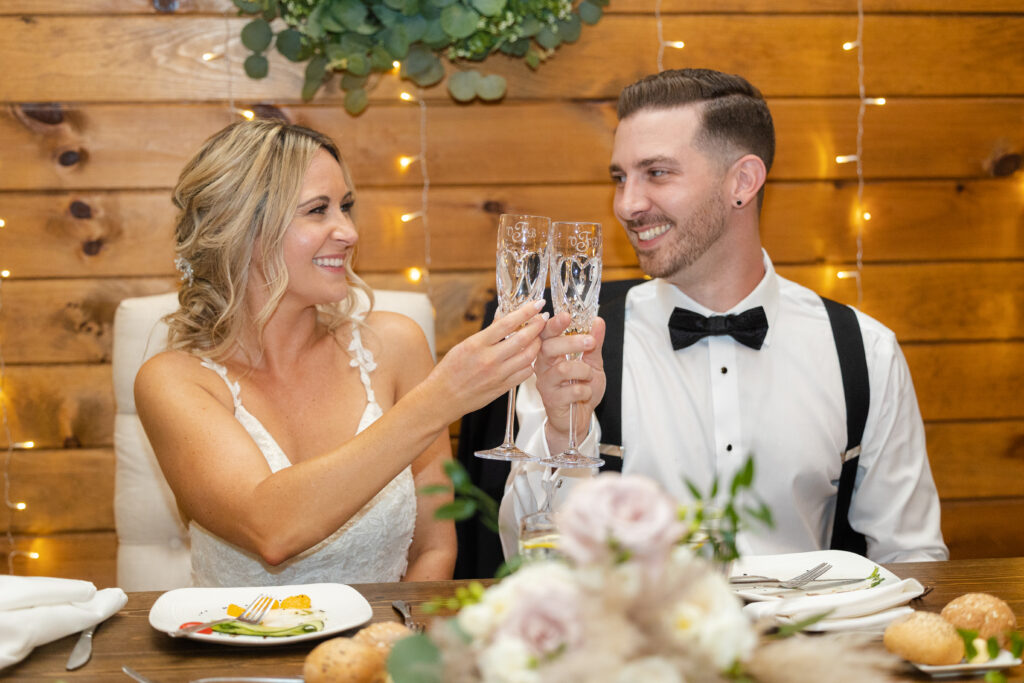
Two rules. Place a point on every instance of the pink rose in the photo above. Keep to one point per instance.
(613, 515)
(546, 617)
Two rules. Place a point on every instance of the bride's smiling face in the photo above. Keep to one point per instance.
(321, 235)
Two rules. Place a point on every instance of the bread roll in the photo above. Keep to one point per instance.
(343, 660)
(925, 638)
(383, 634)
(981, 612)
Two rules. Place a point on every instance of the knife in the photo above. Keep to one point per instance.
(83, 649)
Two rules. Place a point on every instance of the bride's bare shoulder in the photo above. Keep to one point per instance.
(170, 371)
(395, 335)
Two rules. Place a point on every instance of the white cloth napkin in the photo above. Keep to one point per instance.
(35, 610)
(871, 608)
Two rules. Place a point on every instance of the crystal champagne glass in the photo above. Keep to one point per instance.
(521, 273)
(575, 286)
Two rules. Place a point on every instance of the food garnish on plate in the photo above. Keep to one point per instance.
(292, 616)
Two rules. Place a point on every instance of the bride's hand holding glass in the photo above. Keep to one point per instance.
(489, 363)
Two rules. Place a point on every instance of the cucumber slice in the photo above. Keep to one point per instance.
(240, 629)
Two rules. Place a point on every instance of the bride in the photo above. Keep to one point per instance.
(294, 426)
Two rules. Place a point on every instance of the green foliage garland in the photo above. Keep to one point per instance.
(356, 38)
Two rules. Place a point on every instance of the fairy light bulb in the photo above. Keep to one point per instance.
(405, 162)
(25, 445)
(20, 506)
(846, 274)
(5, 273)
(846, 158)
(3, 223)
(406, 217)
(247, 114)
(33, 555)
(866, 215)
(677, 44)
(406, 97)
(850, 45)
(396, 65)
(414, 274)
(210, 56)
(877, 101)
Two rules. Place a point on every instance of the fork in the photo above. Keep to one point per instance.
(402, 607)
(253, 614)
(797, 581)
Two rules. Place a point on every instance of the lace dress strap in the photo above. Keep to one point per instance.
(236, 392)
(362, 358)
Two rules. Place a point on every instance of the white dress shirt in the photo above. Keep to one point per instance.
(697, 413)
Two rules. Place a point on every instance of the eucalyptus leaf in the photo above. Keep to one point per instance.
(570, 28)
(354, 43)
(309, 88)
(530, 26)
(351, 13)
(396, 5)
(518, 48)
(336, 55)
(441, 4)
(462, 85)
(395, 40)
(332, 24)
(385, 14)
(247, 7)
(491, 87)
(433, 74)
(532, 59)
(589, 12)
(314, 27)
(257, 34)
(356, 101)
(415, 659)
(411, 8)
(380, 58)
(315, 70)
(270, 10)
(415, 27)
(459, 21)
(358, 65)
(435, 37)
(489, 8)
(433, 489)
(455, 472)
(458, 509)
(547, 38)
(256, 66)
(418, 61)
(289, 44)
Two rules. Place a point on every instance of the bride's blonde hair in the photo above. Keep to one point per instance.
(236, 198)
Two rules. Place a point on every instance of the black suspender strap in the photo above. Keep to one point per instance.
(854, 368)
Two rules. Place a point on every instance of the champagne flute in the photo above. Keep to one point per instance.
(521, 272)
(575, 286)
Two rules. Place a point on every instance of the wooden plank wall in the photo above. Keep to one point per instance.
(103, 101)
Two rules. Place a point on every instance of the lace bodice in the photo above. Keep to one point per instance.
(371, 547)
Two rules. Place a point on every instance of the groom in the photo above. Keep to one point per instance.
(718, 358)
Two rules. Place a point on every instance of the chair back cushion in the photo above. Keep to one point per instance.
(153, 545)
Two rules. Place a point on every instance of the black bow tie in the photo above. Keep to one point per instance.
(687, 327)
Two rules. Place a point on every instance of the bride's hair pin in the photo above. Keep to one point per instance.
(185, 268)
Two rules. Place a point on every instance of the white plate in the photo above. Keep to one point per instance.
(342, 605)
(1004, 661)
(845, 565)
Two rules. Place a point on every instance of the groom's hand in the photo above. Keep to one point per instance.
(561, 381)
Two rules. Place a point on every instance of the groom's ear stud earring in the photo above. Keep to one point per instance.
(739, 202)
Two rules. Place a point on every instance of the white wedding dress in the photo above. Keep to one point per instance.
(371, 547)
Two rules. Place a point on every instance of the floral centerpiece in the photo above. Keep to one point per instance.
(631, 602)
(358, 38)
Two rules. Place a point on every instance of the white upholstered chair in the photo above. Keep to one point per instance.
(153, 546)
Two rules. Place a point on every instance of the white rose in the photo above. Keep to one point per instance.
(709, 619)
(546, 616)
(508, 660)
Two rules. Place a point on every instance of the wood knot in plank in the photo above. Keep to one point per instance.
(92, 247)
(492, 206)
(80, 209)
(70, 157)
(48, 113)
(165, 5)
(1006, 165)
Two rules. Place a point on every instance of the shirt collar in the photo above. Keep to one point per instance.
(765, 295)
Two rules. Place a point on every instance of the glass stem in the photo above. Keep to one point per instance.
(572, 426)
(510, 417)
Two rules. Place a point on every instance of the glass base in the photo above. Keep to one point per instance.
(507, 452)
(571, 459)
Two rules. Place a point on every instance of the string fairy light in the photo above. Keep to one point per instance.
(662, 43)
(12, 446)
(416, 275)
(862, 215)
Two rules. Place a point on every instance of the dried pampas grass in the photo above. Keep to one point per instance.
(837, 658)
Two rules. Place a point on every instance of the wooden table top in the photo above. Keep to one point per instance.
(127, 638)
